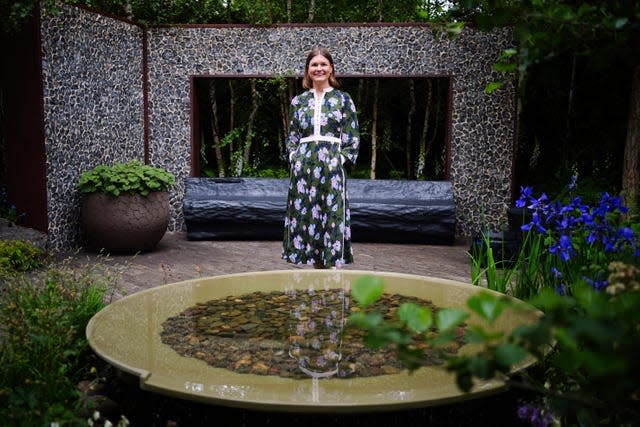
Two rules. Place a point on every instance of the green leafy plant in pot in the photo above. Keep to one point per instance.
(125, 207)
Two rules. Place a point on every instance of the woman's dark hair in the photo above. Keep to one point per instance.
(306, 81)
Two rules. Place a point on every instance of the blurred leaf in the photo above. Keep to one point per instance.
(365, 321)
(537, 334)
(508, 354)
(487, 306)
(477, 334)
(504, 67)
(367, 289)
(492, 87)
(443, 338)
(620, 22)
(481, 367)
(411, 358)
(449, 318)
(418, 319)
(376, 341)
(565, 338)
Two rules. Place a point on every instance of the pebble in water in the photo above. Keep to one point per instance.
(255, 333)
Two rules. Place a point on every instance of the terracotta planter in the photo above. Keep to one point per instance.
(126, 223)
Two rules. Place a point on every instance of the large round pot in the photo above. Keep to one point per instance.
(126, 223)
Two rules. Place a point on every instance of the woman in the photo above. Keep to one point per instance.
(323, 137)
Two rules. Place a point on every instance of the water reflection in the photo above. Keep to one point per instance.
(316, 325)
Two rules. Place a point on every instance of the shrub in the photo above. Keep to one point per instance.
(19, 255)
(43, 348)
(586, 345)
(125, 178)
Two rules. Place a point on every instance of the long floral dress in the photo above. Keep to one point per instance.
(323, 135)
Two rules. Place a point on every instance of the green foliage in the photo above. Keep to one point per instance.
(586, 346)
(499, 274)
(367, 289)
(546, 28)
(14, 14)
(566, 241)
(19, 255)
(125, 178)
(272, 172)
(43, 350)
(413, 323)
(574, 62)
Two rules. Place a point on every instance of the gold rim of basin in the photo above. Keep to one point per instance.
(126, 334)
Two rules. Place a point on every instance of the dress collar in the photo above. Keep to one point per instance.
(325, 90)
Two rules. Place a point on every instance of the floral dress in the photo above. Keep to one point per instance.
(323, 135)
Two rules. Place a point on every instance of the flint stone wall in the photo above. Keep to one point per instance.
(93, 107)
(93, 74)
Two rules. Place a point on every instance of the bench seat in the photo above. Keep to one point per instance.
(393, 211)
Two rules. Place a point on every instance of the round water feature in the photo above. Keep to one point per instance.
(276, 341)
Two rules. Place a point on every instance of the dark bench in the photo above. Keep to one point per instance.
(391, 211)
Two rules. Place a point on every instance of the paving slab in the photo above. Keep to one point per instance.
(176, 259)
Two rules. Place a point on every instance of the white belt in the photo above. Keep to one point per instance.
(321, 138)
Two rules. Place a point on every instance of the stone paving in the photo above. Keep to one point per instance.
(176, 259)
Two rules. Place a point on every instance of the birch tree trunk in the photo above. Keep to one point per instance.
(246, 155)
(214, 129)
(374, 129)
(408, 152)
(284, 120)
(128, 10)
(631, 161)
(232, 113)
(312, 10)
(423, 149)
(436, 119)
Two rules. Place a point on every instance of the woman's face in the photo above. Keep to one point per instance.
(319, 71)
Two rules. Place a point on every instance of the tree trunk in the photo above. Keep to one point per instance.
(246, 155)
(374, 129)
(423, 149)
(232, 113)
(631, 166)
(289, 5)
(229, 9)
(128, 10)
(436, 119)
(292, 88)
(567, 150)
(214, 129)
(312, 10)
(409, 130)
(284, 120)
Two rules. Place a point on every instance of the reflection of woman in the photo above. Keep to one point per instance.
(323, 137)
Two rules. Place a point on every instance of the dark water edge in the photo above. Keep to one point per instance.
(144, 408)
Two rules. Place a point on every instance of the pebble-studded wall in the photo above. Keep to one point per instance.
(483, 126)
(93, 107)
